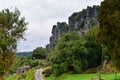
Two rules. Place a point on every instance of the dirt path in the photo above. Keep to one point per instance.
(38, 74)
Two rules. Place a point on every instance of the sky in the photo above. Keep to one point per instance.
(41, 15)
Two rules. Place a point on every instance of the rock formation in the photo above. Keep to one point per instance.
(79, 21)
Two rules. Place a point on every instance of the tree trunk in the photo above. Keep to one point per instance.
(2, 77)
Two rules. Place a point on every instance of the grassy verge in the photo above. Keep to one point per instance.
(83, 77)
(49, 67)
(29, 75)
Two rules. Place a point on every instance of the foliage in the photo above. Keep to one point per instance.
(39, 53)
(69, 54)
(75, 53)
(21, 61)
(47, 71)
(29, 75)
(105, 54)
(24, 54)
(12, 29)
(93, 47)
(109, 18)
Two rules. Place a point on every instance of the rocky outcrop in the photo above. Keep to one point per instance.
(84, 20)
(57, 31)
(80, 21)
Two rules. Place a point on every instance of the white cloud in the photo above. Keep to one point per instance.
(42, 15)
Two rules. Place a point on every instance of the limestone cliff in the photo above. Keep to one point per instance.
(57, 31)
(79, 21)
(84, 20)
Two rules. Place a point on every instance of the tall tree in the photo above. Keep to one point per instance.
(69, 54)
(40, 53)
(94, 47)
(12, 28)
(109, 35)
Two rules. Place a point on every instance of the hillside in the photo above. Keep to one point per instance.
(24, 54)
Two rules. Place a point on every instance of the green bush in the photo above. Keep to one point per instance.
(69, 54)
(75, 53)
(59, 69)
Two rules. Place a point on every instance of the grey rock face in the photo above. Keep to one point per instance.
(57, 31)
(80, 21)
(84, 20)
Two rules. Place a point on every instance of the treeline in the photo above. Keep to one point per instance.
(24, 54)
(37, 53)
(35, 58)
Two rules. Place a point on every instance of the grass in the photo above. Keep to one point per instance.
(83, 77)
(29, 75)
(49, 67)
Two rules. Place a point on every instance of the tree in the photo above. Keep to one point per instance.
(109, 35)
(40, 53)
(94, 47)
(69, 54)
(12, 29)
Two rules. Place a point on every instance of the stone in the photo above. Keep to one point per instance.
(79, 21)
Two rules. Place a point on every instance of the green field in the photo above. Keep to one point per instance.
(84, 77)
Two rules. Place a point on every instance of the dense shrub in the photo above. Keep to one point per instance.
(76, 53)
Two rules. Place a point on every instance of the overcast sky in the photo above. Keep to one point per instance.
(42, 15)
